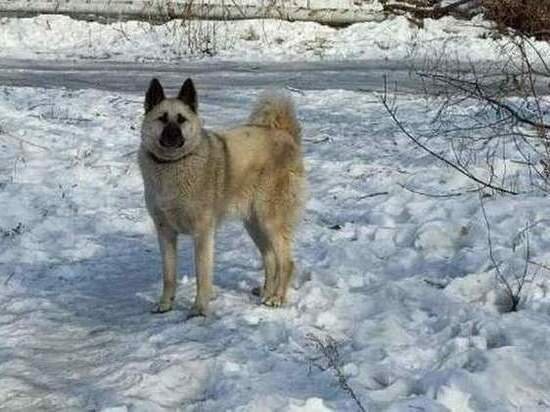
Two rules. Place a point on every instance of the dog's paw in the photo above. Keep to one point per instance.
(273, 301)
(197, 311)
(162, 307)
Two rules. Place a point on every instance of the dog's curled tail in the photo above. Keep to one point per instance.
(276, 110)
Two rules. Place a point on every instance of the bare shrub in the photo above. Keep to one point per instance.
(530, 17)
(512, 282)
(197, 36)
(328, 348)
(189, 35)
(491, 123)
(198, 27)
(494, 117)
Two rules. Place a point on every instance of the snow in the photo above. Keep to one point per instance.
(80, 271)
(401, 281)
(54, 37)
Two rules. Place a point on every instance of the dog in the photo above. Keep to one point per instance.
(195, 178)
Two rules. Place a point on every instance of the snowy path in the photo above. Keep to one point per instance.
(79, 270)
(133, 77)
(355, 75)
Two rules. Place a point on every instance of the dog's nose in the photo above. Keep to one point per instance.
(171, 137)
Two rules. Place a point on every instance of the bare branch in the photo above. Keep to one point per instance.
(438, 195)
(329, 349)
(392, 113)
(472, 88)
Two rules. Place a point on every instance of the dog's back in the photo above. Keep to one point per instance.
(263, 159)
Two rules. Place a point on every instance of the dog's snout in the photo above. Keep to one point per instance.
(171, 136)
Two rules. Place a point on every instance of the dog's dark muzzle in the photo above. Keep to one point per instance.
(171, 137)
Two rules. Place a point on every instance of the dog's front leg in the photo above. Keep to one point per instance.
(168, 242)
(204, 262)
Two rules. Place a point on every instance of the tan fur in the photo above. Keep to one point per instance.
(276, 110)
(254, 172)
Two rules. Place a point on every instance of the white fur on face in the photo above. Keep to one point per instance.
(152, 128)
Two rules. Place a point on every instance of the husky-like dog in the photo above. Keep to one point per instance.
(194, 178)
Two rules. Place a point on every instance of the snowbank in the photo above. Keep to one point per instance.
(58, 37)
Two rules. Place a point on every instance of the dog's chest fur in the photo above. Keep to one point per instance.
(175, 193)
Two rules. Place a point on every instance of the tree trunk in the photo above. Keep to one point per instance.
(159, 12)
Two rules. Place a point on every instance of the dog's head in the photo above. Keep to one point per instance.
(171, 127)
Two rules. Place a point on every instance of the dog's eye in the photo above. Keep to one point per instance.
(181, 119)
(164, 118)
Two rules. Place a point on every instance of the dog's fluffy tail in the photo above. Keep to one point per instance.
(276, 110)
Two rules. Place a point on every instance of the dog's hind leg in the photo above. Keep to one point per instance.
(273, 237)
(168, 242)
(263, 243)
(285, 267)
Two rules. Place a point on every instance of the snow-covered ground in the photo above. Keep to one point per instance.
(401, 281)
(54, 37)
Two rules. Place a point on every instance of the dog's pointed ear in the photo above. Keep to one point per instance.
(188, 95)
(154, 95)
